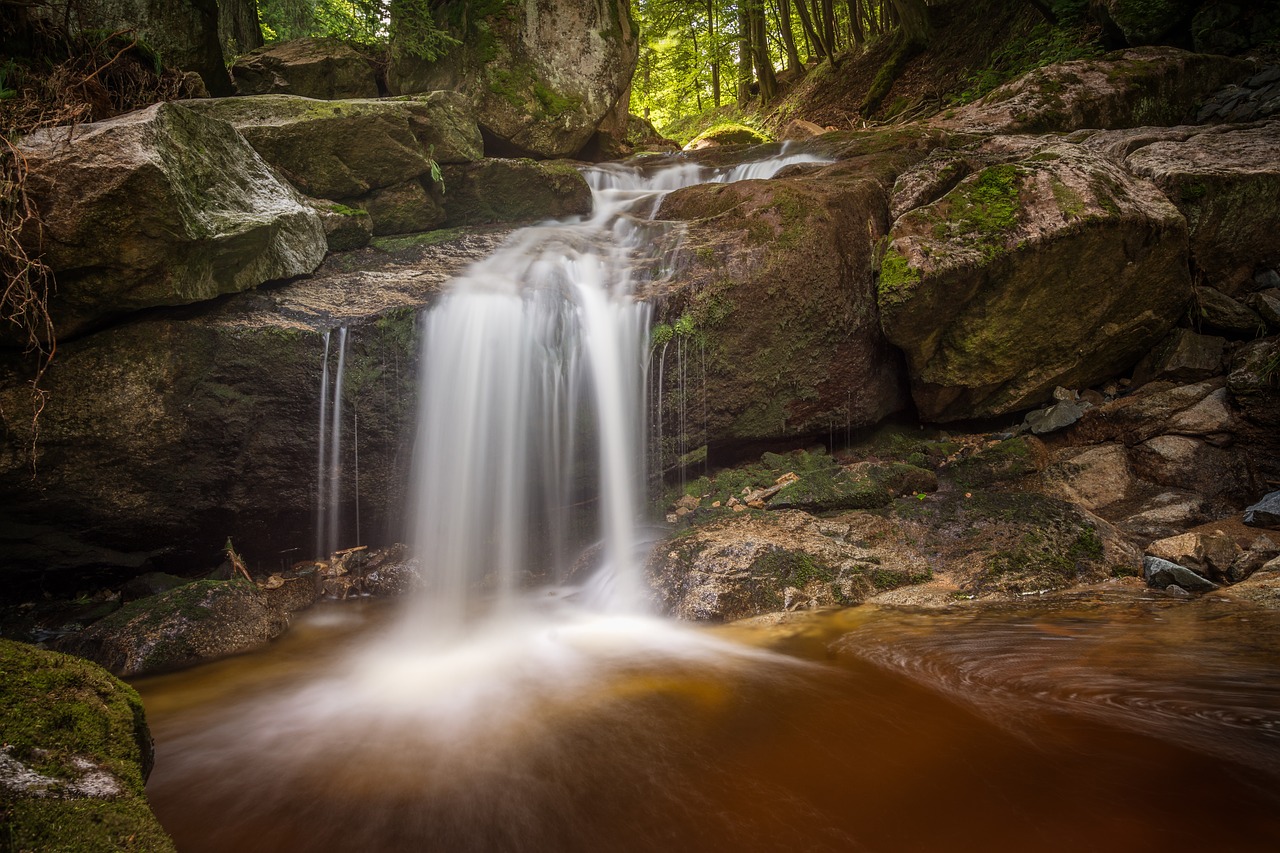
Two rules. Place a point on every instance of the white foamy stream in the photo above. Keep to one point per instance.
(533, 400)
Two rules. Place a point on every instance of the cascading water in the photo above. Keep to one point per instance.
(536, 355)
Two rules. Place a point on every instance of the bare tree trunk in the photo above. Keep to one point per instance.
(855, 22)
(715, 51)
(788, 37)
(760, 52)
(811, 35)
(744, 56)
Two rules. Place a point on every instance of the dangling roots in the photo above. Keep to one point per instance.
(90, 79)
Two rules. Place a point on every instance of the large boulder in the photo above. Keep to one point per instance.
(184, 33)
(75, 752)
(752, 563)
(1131, 88)
(344, 149)
(381, 156)
(1046, 266)
(190, 623)
(1141, 22)
(1225, 182)
(769, 329)
(161, 438)
(310, 67)
(497, 190)
(541, 77)
(162, 206)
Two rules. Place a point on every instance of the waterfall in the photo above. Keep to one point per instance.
(532, 402)
(329, 450)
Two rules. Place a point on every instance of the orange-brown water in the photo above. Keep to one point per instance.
(1084, 725)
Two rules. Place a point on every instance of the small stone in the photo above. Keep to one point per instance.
(1176, 591)
(1265, 513)
(1267, 304)
(715, 504)
(1224, 314)
(739, 507)
(786, 479)
(734, 501)
(688, 502)
(683, 511)
(1054, 418)
(756, 504)
(672, 518)
(1160, 574)
(273, 582)
(1266, 279)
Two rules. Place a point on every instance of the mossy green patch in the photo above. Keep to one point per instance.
(403, 242)
(56, 711)
(731, 133)
(897, 278)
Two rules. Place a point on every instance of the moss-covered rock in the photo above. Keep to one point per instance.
(185, 625)
(405, 208)
(497, 190)
(753, 563)
(344, 149)
(858, 486)
(345, 227)
(1225, 182)
(162, 206)
(74, 756)
(727, 134)
(540, 77)
(1130, 88)
(772, 310)
(1046, 265)
(311, 67)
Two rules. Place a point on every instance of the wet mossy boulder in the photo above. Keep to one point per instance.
(1040, 265)
(311, 67)
(198, 621)
(540, 77)
(345, 227)
(344, 149)
(1225, 181)
(753, 563)
(75, 753)
(1130, 88)
(771, 317)
(727, 134)
(501, 190)
(216, 218)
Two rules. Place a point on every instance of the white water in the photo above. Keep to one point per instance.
(533, 403)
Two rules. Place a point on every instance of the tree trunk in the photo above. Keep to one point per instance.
(788, 37)
(806, 21)
(714, 47)
(744, 56)
(760, 53)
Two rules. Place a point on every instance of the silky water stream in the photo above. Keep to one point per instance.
(483, 715)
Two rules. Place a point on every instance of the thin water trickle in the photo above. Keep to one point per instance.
(329, 450)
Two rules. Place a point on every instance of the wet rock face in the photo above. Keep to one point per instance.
(75, 753)
(1131, 88)
(310, 67)
(540, 76)
(1033, 265)
(162, 437)
(1224, 183)
(774, 307)
(216, 220)
(372, 155)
